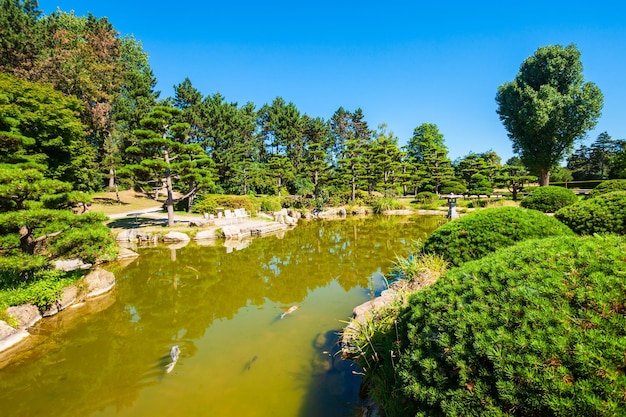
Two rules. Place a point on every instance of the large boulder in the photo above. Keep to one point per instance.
(126, 235)
(10, 336)
(25, 314)
(68, 297)
(98, 282)
(205, 234)
(172, 237)
(71, 264)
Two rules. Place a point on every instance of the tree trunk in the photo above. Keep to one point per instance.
(544, 178)
(111, 179)
(170, 192)
(26, 240)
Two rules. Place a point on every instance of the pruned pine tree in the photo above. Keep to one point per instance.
(165, 157)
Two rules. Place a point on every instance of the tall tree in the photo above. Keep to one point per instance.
(427, 150)
(352, 140)
(39, 125)
(282, 130)
(19, 44)
(164, 156)
(318, 144)
(133, 100)
(547, 107)
(386, 157)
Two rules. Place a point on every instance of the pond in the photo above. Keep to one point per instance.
(221, 305)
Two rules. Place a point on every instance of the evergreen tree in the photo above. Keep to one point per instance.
(19, 37)
(165, 157)
(514, 176)
(39, 125)
(352, 141)
(426, 149)
(317, 141)
(386, 157)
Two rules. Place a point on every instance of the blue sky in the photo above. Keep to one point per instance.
(402, 62)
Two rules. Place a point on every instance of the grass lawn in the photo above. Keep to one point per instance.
(130, 201)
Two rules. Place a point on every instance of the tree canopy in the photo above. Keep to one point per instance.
(547, 107)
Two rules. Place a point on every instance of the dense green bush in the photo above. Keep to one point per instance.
(271, 204)
(549, 199)
(208, 203)
(608, 187)
(386, 203)
(536, 329)
(426, 197)
(481, 232)
(605, 213)
(44, 288)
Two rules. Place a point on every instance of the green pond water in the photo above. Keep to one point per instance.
(221, 305)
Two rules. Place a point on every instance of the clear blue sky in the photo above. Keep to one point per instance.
(403, 62)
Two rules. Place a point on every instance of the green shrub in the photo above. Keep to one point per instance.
(476, 234)
(608, 187)
(605, 213)
(271, 204)
(426, 197)
(549, 199)
(44, 288)
(536, 329)
(386, 203)
(89, 244)
(208, 203)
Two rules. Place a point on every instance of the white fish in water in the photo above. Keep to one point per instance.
(289, 311)
(174, 353)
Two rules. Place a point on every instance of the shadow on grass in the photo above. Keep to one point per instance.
(108, 201)
(132, 222)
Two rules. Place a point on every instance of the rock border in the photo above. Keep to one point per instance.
(95, 284)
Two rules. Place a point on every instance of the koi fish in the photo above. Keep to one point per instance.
(249, 365)
(174, 353)
(289, 311)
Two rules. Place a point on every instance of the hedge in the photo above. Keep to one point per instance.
(549, 199)
(536, 329)
(605, 213)
(608, 187)
(481, 232)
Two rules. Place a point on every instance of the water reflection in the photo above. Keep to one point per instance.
(220, 305)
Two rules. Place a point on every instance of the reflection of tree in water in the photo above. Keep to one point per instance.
(333, 381)
(104, 359)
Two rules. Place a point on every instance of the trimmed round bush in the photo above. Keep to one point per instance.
(481, 232)
(549, 199)
(608, 187)
(605, 213)
(536, 329)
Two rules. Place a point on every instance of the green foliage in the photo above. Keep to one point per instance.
(426, 197)
(549, 199)
(386, 203)
(271, 204)
(537, 329)
(605, 213)
(208, 203)
(41, 291)
(19, 268)
(608, 187)
(476, 234)
(90, 244)
(547, 107)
